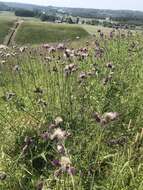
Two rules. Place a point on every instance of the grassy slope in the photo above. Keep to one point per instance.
(6, 23)
(93, 29)
(107, 158)
(35, 33)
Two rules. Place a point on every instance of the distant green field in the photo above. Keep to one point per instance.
(93, 29)
(6, 22)
(37, 32)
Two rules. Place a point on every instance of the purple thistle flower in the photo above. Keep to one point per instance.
(45, 136)
(71, 170)
(56, 163)
(28, 141)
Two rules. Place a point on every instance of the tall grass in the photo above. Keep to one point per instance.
(35, 88)
(38, 32)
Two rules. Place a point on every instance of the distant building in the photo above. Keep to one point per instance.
(107, 19)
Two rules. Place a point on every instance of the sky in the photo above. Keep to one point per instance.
(101, 4)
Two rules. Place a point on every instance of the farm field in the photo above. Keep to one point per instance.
(6, 23)
(71, 115)
(36, 33)
(93, 29)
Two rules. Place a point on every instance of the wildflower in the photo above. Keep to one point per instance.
(106, 118)
(16, 68)
(65, 162)
(8, 55)
(82, 75)
(28, 141)
(67, 53)
(110, 65)
(58, 120)
(3, 47)
(59, 134)
(69, 69)
(111, 34)
(52, 126)
(22, 49)
(97, 117)
(45, 136)
(65, 166)
(60, 47)
(56, 163)
(71, 170)
(46, 46)
(57, 173)
(84, 55)
(110, 116)
(2, 176)
(60, 148)
(52, 50)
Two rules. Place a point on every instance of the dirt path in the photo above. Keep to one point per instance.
(11, 36)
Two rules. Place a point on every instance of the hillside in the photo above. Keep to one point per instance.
(80, 12)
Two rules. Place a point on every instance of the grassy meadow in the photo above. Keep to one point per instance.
(6, 23)
(38, 32)
(71, 117)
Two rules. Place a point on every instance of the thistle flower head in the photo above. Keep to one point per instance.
(2, 176)
(45, 136)
(61, 149)
(58, 120)
(110, 116)
(58, 134)
(56, 163)
(65, 162)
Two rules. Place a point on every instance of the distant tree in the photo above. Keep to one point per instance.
(107, 24)
(77, 20)
(43, 17)
(95, 22)
(69, 20)
(24, 13)
(83, 22)
(50, 18)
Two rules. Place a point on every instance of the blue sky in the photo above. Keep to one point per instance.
(103, 4)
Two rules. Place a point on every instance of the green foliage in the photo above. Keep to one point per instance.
(37, 86)
(50, 18)
(25, 13)
(5, 26)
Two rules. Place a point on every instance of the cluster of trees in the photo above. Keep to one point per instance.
(132, 21)
(50, 18)
(91, 22)
(61, 19)
(25, 13)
